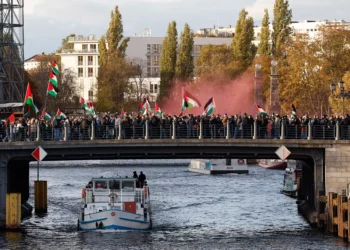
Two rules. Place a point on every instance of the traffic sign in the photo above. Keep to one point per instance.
(39, 153)
(282, 152)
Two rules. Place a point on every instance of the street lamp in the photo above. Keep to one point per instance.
(343, 94)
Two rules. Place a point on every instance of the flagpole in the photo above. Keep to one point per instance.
(25, 99)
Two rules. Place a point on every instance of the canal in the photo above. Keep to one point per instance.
(190, 211)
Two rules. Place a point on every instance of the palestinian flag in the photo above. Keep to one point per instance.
(146, 107)
(141, 108)
(83, 103)
(60, 113)
(92, 106)
(189, 101)
(123, 113)
(11, 118)
(51, 90)
(55, 68)
(158, 111)
(53, 79)
(294, 111)
(46, 115)
(209, 107)
(29, 101)
(261, 111)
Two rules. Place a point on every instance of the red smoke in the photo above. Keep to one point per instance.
(230, 96)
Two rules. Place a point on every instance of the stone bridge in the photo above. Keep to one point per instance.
(326, 164)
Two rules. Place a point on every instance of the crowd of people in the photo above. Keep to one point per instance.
(133, 126)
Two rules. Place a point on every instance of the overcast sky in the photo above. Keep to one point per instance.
(48, 21)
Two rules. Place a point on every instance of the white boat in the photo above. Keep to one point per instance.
(291, 180)
(219, 166)
(273, 164)
(115, 203)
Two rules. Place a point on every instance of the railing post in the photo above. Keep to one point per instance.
(200, 130)
(228, 128)
(161, 130)
(11, 133)
(38, 132)
(282, 131)
(65, 132)
(120, 131)
(174, 129)
(92, 131)
(255, 130)
(337, 131)
(147, 131)
(309, 131)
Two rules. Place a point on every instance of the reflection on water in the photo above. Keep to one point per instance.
(190, 211)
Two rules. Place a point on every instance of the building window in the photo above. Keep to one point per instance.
(80, 72)
(90, 60)
(80, 60)
(155, 61)
(151, 88)
(156, 72)
(148, 48)
(91, 95)
(85, 47)
(90, 72)
(156, 88)
(93, 47)
(148, 71)
(148, 61)
(156, 48)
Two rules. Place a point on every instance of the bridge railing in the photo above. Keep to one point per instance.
(175, 130)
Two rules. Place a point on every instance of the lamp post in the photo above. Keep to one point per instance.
(343, 93)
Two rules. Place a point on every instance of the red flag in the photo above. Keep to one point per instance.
(82, 101)
(11, 118)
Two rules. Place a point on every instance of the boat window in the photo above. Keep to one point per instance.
(228, 162)
(114, 185)
(100, 184)
(128, 184)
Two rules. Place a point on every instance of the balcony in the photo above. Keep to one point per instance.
(81, 51)
(83, 39)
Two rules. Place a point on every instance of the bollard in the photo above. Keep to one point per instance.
(13, 211)
(92, 131)
(228, 134)
(174, 129)
(282, 131)
(255, 127)
(147, 131)
(200, 130)
(120, 131)
(38, 132)
(337, 131)
(309, 131)
(65, 132)
(40, 196)
(11, 133)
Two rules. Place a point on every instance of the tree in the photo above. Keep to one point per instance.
(242, 46)
(264, 45)
(184, 64)
(281, 25)
(66, 44)
(168, 60)
(138, 68)
(114, 71)
(114, 34)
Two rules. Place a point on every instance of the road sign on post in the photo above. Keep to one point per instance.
(39, 153)
(282, 152)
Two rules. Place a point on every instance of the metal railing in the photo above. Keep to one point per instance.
(174, 130)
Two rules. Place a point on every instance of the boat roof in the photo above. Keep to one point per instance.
(113, 178)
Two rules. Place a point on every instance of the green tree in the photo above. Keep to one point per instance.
(242, 46)
(114, 72)
(114, 34)
(184, 64)
(281, 25)
(66, 44)
(264, 45)
(168, 60)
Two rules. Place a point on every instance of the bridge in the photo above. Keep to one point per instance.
(326, 166)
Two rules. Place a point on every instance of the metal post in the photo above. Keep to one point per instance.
(282, 131)
(120, 131)
(255, 130)
(65, 132)
(343, 106)
(37, 170)
(200, 130)
(38, 132)
(337, 131)
(228, 128)
(309, 131)
(11, 133)
(174, 129)
(147, 131)
(92, 131)
(161, 130)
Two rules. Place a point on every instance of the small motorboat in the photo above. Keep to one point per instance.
(273, 164)
(219, 166)
(291, 181)
(115, 203)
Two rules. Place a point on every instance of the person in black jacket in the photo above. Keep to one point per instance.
(142, 179)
